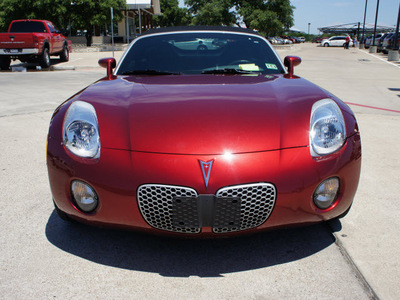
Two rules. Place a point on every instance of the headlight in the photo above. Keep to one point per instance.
(327, 128)
(81, 130)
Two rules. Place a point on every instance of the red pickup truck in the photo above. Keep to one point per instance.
(32, 41)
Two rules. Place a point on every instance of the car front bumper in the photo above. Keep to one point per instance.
(118, 177)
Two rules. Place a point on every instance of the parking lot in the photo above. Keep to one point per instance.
(43, 257)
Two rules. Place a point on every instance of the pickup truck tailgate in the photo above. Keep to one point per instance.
(16, 41)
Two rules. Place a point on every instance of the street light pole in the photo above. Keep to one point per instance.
(309, 29)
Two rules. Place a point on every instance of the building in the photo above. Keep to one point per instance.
(138, 17)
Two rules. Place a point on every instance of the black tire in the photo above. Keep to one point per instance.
(326, 45)
(5, 63)
(64, 55)
(44, 59)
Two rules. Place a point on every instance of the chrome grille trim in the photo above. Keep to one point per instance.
(155, 204)
(257, 202)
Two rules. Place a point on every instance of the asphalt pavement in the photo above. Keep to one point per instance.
(43, 257)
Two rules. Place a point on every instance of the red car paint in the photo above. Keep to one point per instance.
(156, 130)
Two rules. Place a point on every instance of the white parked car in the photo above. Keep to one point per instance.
(335, 41)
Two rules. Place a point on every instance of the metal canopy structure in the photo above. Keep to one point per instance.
(355, 28)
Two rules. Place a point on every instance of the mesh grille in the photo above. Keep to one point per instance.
(155, 203)
(236, 208)
(257, 201)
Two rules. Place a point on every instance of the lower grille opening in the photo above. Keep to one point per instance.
(181, 209)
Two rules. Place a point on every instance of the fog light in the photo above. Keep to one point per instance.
(326, 193)
(84, 196)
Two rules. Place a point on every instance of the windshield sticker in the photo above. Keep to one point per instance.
(249, 67)
(271, 66)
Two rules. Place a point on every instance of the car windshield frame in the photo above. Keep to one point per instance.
(199, 53)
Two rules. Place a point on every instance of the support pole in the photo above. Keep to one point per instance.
(376, 21)
(362, 44)
(393, 54)
(112, 30)
(140, 21)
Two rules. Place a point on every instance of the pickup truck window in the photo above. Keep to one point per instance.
(25, 26)
(52, 29)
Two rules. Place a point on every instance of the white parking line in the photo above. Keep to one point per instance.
(386, 61)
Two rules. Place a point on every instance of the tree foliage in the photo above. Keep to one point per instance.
(212, 12)
(172, 14)
(269, 17)
(87, 13)
(82, 13)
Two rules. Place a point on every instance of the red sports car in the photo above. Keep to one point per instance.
(195, 138)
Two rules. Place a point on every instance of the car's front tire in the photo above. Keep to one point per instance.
(326, 45)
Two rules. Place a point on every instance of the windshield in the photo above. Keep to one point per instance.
(200, 53)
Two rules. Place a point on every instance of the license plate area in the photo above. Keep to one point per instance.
(206, 211)
(227, 212)
(185, 213)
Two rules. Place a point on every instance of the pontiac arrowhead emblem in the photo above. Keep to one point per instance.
(206, 170)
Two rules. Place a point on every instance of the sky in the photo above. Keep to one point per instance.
(321, 13)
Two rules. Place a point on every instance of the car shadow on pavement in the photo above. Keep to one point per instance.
(30, 67)
(178, 257)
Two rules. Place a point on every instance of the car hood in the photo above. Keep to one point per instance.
(203, 114)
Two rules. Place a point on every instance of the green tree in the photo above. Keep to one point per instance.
(53, 10)
(88, 13)
(81, 13)
(269, 17)
(172, 14)
(212, 12)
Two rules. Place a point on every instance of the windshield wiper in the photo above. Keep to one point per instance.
(149, 72)
(228, 71)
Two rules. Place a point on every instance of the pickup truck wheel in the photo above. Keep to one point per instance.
(44, 59)
(64, 55)
(5, 63)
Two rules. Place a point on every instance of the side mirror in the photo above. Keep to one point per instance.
(109, 63)
(290, 62)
